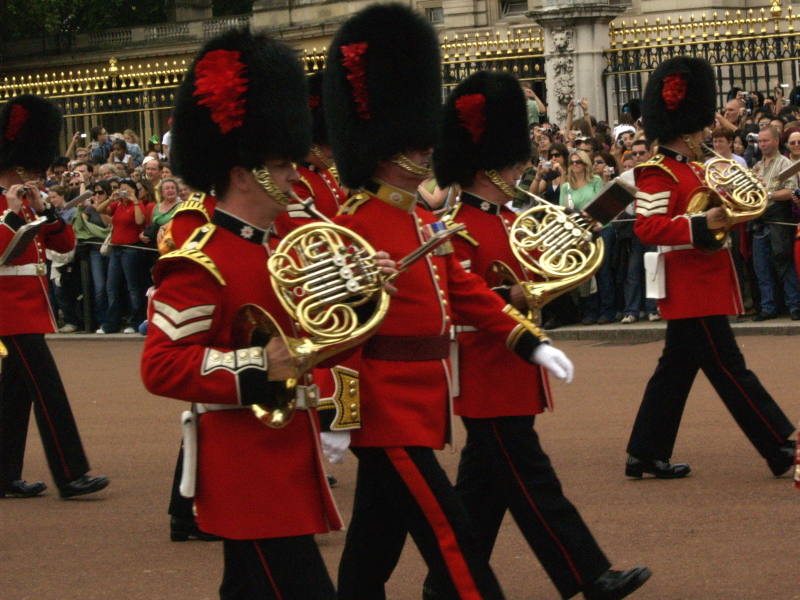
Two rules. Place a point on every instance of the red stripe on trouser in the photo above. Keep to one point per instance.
(44, 410)
(736, 383)
(448, 544)
(267, 571)
(533, 506)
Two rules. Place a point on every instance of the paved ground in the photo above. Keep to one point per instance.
(730, 531)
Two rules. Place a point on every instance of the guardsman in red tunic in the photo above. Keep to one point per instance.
(700, 284)
(382, 100)
(318, 180)
(339, 399)
(29, 127)
(240, 119)
(484, 148)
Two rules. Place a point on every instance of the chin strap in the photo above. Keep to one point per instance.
(698, 152)
(495, 178)
(403, 161)
(265, 181)
(318, 153)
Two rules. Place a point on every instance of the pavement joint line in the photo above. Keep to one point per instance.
(646, 331)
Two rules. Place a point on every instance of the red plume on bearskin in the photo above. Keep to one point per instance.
(29, 128)
(485, 127)
(680, 98)
(220, 87)
(244, 100)
(470, 111)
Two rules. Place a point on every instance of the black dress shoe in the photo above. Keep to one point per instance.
(783, 459)
(795, 314)
(614, 585)
(21, 489)
(181, 530)
(764, 316)
(82, 485)
(332, 481)
(660, 468)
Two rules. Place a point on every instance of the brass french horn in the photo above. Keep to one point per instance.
(733, 187)
(556, 246)
(327, 279)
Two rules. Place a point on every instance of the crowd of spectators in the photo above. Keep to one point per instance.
(570, 165)
(128, 199)
(134, 195)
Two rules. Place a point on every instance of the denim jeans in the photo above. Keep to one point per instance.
(99, 268)
(126, 269)
(767, 280)
(634, 281)
(601, 303)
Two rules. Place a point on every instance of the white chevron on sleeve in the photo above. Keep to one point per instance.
(645, 197)
(176, 333)
(181, 316)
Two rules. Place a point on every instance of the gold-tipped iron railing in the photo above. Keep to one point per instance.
(754, 50)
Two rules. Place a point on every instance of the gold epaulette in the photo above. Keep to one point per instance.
(658, 161)
(450, 216)
(192, 250)
(195, 202)
(353, 203)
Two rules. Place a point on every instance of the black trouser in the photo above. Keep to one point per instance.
(400, 491)
(503, 467)
(705, 343)
(29, 376)
(289, 568)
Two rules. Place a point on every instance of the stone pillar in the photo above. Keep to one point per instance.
(575, 36)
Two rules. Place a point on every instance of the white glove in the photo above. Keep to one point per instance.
(335, 445)
(554, 360)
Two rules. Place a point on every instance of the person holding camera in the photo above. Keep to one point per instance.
(127, 262)
(29, 127)
(551, 173)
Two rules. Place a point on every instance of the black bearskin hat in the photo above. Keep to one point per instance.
(680, 98)
(382, 89)
(243, 100)
(29, 128)
(319, 133)
(485, 128)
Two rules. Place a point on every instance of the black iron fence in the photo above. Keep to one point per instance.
(754, 51)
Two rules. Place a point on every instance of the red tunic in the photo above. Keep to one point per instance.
(318, 184)
(698, 283)
(482, 352)
(406, 403)
(252, 481)
(25, 304)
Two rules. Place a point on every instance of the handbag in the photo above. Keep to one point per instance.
(105, 249)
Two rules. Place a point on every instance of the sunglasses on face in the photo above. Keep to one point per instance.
(638, 152)
(599, 162)
(554, 155)
(576, 162)
(99, 192)
(793, 142)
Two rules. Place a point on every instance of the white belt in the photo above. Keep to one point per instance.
(665, 249)
(306, 396)
(464, 328)
(29, 269)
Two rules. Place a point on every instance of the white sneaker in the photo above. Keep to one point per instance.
(654, 317)
(628, 319)
(129, 330)
(100, 331)
(68, 328)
